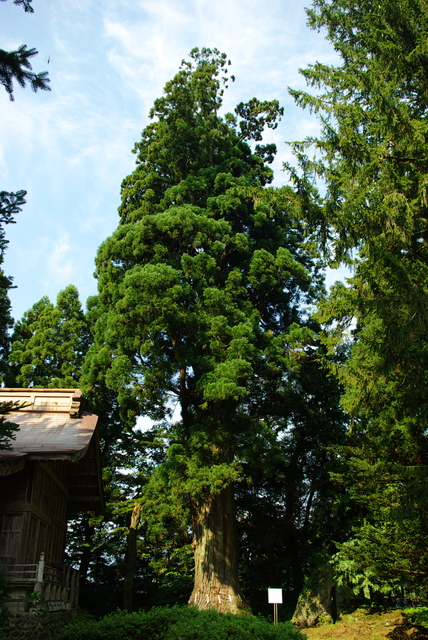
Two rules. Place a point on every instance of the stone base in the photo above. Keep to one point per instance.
(30, 626)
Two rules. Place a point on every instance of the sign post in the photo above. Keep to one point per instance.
(275, 598)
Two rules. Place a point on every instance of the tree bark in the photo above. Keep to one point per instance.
(85, 558)
(131, 559)
(216, 583)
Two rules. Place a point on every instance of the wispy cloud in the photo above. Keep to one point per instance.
(61, 264)
(109, 60)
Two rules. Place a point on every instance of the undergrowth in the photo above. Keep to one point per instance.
(417, 615)
(177, 623)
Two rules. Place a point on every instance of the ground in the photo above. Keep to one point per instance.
(360, 625)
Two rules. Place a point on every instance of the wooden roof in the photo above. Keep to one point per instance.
(51, 428)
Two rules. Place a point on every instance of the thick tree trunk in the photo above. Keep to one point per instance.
(216, 583)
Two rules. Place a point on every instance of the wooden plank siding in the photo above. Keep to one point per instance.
(34, 508)
(51, 471)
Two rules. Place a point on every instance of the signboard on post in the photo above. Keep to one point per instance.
(275, 598)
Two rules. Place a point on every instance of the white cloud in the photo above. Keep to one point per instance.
(108, 61)
(60, 263)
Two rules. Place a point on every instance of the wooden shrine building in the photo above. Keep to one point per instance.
(51, 472)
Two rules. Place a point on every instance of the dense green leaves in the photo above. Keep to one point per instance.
(190, 263)
(189, 147)
(50, 342)
(178, 622)
(371, 155)
(373, 150)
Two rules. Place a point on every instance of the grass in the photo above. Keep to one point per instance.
(360, 625)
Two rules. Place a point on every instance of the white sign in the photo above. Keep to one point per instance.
(55, 605)
(275, 596)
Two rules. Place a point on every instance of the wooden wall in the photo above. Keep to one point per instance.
(33, 507)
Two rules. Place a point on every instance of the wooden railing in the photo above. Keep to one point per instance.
(60, 589)
(21, 573)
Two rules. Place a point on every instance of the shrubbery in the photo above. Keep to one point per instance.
(177, 623)
(417, 615)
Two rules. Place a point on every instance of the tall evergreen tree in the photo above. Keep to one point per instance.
(10, 205)
(373, 149)
(50, 342)
(201, 290)
(372, 154)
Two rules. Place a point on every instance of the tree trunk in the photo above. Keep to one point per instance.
(131, 559)
(216, 583)
(86, 555)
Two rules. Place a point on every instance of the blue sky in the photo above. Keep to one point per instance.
(108, 60)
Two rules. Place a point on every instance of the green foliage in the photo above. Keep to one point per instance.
(7, 429)
(388, 545)
(372, 562)
(10, 205)
(202, 260)
(371, 155)
(176, 623)
(37, 606)
(417, 615)
(15, 65)
(50, 342)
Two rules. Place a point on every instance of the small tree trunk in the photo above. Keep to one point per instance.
(86, 555)
(131, 559)
(216, 583)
